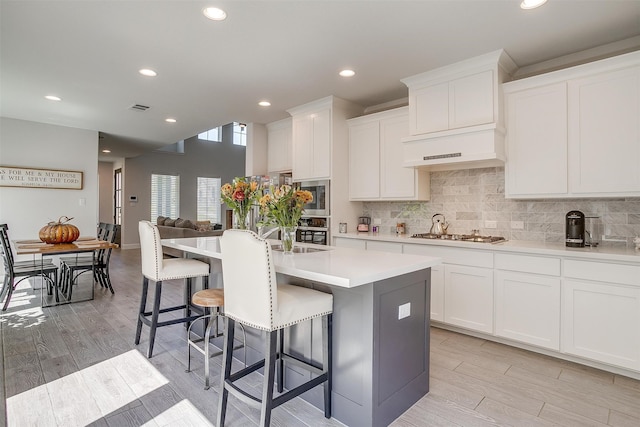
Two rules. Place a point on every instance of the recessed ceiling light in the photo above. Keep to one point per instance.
(264, 103)
(148, 72)
(170, 120)
(531, 4)
(53, 98)
(106, 151)
(215, 14)
(347, 73)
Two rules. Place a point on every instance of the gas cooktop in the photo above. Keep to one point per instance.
(461, 237)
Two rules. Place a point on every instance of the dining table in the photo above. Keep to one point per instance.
(83, 244)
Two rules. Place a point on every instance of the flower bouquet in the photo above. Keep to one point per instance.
(239, 196)
(283, 206)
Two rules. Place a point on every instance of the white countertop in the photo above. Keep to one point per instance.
(342, 267)
(602, 253)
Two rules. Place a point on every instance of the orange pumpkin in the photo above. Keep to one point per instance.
(59, 232)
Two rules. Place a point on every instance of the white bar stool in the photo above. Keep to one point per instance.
(254, 298)
(212, 302)
(155, 268)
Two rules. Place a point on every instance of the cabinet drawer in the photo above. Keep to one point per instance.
(467, 257)
(602, 272)
(528, 264)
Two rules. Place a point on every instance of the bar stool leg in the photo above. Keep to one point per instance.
(280, 361)
(207, 336)
(154, 318)
(269, 378)
(327, 363)
(227, 357)
(143, 308)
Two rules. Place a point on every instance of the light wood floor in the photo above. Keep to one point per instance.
(76, 365)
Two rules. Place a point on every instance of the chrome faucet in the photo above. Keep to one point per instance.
(264, 235)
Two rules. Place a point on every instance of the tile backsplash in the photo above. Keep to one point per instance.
(468, 198)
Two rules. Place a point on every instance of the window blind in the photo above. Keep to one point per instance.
(165, 196)
(209, 199)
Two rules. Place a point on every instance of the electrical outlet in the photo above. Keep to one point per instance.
(404, 310)
(491, 224)
(517, 225)
(377, 221)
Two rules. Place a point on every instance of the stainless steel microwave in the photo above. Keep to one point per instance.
(320, 192)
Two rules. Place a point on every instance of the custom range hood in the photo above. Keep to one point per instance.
(456, 114)
(476, 147)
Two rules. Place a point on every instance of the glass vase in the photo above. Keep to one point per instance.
(241, 220)
(288, 238)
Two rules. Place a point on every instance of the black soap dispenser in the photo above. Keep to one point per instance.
(574, 229)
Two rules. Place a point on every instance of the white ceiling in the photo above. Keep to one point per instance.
(289, 52)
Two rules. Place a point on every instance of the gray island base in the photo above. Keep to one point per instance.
(380, 362)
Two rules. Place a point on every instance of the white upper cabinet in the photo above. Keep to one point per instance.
(537, 149)
(468, 100)
(462, 102)
(376, 170)
(575, 132)
(312, 149)
(604, 142)
(319, 132)
(279, 145)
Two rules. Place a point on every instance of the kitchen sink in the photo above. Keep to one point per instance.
(299, 249)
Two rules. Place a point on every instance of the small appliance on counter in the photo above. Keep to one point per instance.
(574, 229)
(363, 223)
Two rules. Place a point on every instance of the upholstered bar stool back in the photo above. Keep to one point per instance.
(155, 268)
(254, 298)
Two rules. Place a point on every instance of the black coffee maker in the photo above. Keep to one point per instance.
(574, 229)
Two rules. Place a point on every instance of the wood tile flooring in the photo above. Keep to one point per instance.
(76, 365)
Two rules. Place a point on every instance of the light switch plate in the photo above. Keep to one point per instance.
(377, 221)
(490, 224)
(404, 310)
(517, 225)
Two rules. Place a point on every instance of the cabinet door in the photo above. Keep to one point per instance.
(471, 100)
(384, 246)
(537, 141)
(396, 181)
(345, 242)
(601, 321)
(430, 109)
(322, 144)
(279, 149)
(437, 293)
(364, 160)
(468, 297)
(604, 138)
(302, 167)
(528, 308)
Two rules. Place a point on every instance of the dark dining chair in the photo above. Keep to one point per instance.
(23, 270)
(72, 267)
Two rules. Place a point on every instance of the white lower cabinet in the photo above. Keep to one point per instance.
(468, 297)
(527, 298)
(601, 320)
(528, 308)
(437, 293)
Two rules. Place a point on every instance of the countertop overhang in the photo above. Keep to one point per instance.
(335, 266)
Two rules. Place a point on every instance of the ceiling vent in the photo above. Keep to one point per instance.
(139, 107)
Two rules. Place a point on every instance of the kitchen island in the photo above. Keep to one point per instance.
(380, 325)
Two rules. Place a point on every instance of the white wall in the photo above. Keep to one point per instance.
(39, 145)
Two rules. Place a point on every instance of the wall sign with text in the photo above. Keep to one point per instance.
(40, 178)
